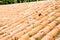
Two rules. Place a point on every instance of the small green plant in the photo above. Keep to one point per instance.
(33, 26)
(57, 36)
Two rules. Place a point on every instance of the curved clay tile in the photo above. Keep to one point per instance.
(30, 21)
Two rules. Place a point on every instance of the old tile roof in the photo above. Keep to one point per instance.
(30, 21)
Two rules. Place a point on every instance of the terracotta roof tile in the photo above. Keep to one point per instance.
(30, 21)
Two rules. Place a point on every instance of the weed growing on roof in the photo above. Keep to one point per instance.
(57, 36)
(36, 38)
(56, 7)
(14, 38)
(33, 26)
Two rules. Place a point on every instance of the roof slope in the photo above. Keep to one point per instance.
(30, 21)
